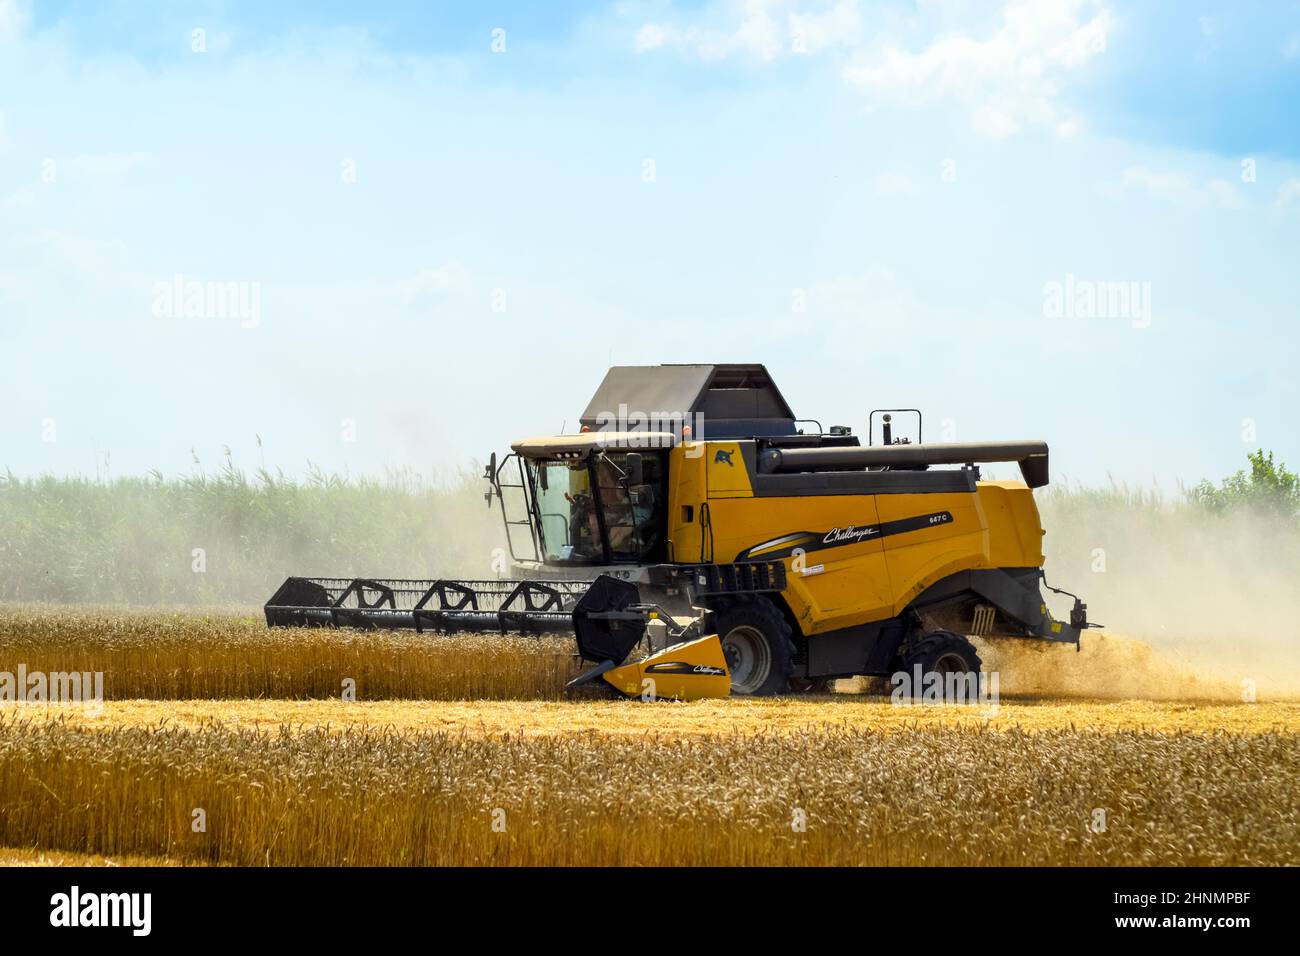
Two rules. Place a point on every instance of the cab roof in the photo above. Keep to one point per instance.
(734, 401)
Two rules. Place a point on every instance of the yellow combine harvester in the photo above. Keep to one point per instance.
(694, 516)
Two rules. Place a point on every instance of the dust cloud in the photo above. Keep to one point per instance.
(1195, 604)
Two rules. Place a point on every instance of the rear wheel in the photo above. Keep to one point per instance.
(812, 685)
(943, 653)
(756, 643)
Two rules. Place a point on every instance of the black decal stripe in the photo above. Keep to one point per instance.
(849, 535)
(904, 525)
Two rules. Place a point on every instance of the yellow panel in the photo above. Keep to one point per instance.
(686, 489)
(828, 588)
(1015, 529)
(835, 593)
(689, 671)
(917, 559)
(728, 477)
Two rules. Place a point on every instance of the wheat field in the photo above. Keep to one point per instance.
(633, 718)
(220, 742)
(183, 655)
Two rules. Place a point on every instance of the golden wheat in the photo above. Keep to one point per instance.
(222, 655)
(298, 776)
(13, 856)
(181, 656)
(933, 796)
(781, 715)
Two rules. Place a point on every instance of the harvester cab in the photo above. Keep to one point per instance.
(771, 555)
(592, 501)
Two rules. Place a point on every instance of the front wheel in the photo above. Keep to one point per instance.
(756, 643)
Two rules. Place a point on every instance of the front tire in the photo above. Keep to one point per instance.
(757, 643)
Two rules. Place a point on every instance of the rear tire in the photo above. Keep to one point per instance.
(941, 652)
(812, 685)
(757, 643)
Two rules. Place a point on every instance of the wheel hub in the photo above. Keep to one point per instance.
(951, 664)
(748, 659)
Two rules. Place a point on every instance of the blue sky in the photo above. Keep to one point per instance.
(451, 231)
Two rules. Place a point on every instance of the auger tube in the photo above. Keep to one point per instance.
(1031, 456)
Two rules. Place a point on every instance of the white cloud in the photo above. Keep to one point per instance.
(79, 263)
(21, 198)
(893, 184)
(841, 25)
(430, 285)
(759, 33)
(1007, 80)
(12, 19)
(650, 37)
(1291, 48)
(1177, 188)
(104, 166)
(1289, 193)
(98, 170)
(1068, 127)
(759, 29)
(998, 120)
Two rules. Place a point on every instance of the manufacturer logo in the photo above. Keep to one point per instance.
(849, 535)
(724, 457)
(682, 667)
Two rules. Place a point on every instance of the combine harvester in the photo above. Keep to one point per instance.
(776, 557)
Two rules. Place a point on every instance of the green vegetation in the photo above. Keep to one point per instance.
(1267, 488)
(230, 539)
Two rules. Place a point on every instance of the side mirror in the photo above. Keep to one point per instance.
(490, 473)
(635, 471)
